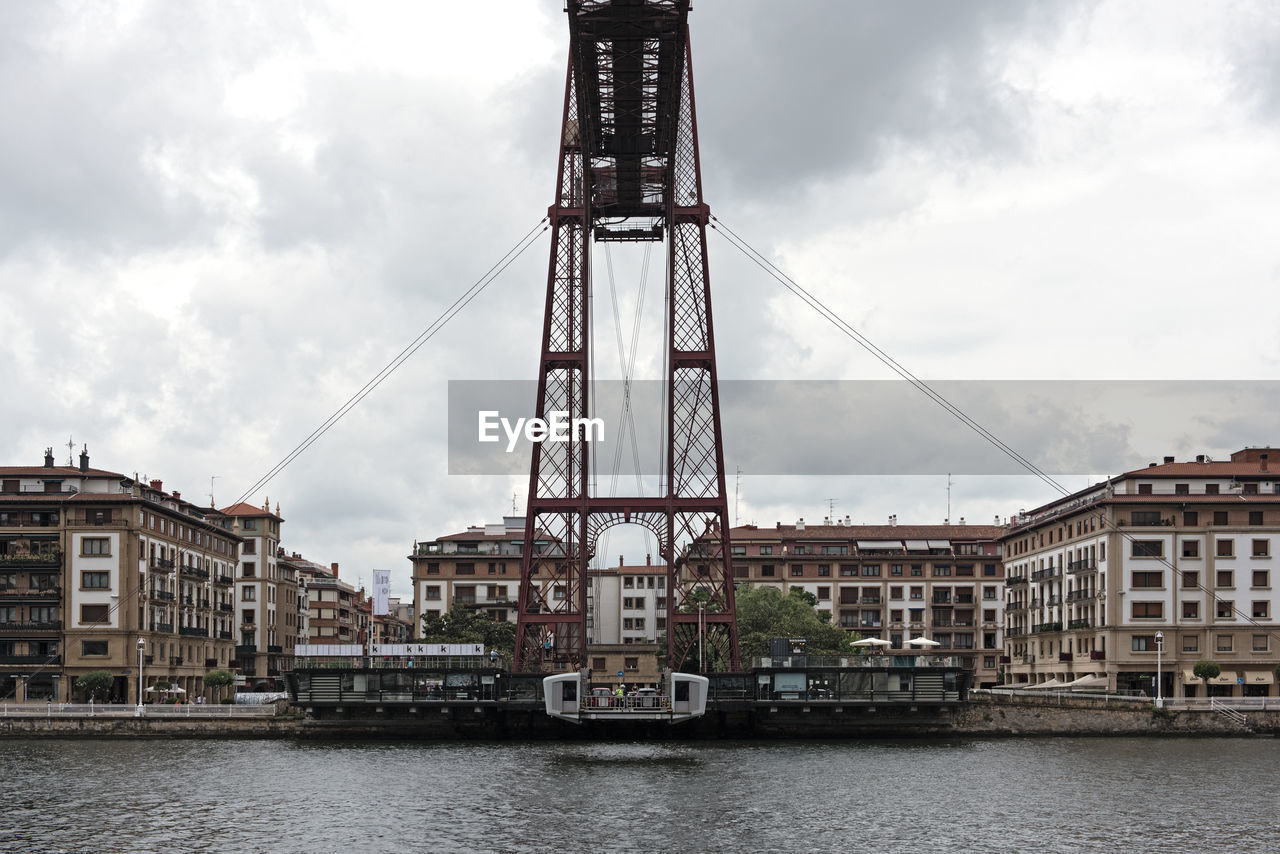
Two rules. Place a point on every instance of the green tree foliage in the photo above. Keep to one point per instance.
(1206, 670)
(217, 679)
(465, 625)
(765, 613)
(96, 684)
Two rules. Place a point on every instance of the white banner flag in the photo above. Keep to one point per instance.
(381, 590)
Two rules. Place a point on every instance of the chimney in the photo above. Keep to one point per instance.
(1262, 462)
(1199, 458)
(961, 520)
(648, 560)
(848, 520)
(1168, 460)
(84, 459)
(334, 567)
(48, 458)
(177, 495)
(157, 485)
(620, 562)
(800, 524)
(997, 521)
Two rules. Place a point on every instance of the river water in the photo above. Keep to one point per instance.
(1043, 795)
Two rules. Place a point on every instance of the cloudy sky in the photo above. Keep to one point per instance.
(219, 220)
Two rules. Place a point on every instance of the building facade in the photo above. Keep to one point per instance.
(893, 582)
(476, 568)
(99, 570)
(1150, 573)
(266, 594)
(627, 605)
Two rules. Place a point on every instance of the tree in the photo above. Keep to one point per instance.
(465, 625)
(1206, 670)
(765, 613)
(96, 684)
(216, 679)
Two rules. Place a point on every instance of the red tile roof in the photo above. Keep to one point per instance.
(243, 509)
(55, 472)
(869, 532)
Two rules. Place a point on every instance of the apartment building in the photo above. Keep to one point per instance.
(894, 582)
(627, 604)
(1153, 570)
(476, 568)
(99, 569)
(266, 597)
(333, 613)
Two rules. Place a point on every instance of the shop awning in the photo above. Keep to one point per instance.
(1052, 683)
(939, 544)
(1226, 677)
(917, 545)
(1259, 677)
(1087, 681)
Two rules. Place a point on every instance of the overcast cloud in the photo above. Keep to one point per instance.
(219, 220)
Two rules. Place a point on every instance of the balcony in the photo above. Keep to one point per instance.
(1015, 580)
(211, 662)
(35, 626)
(1079, 595)
(246, 649)
(39, 593)
(941, 599)
(175, 660)
(1042, 628)
(225, 580)
(193, 632)
(1055, 599)
(43, 560)
(162, 627)
(163, 564)
(225, 636)
(226, 607)
(275, 649)
(194, 572)
(1041, 574)
(162, 595)
(1098, 655)
(942, 622)
(31, 659)
(1084, 565)
(870, 599)
(1004, 659)
(1015, 609)
(1079, 624)
(1066, 656)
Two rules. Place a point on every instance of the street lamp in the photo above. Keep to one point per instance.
(1159, 663)
(142, 644)
(702, 668)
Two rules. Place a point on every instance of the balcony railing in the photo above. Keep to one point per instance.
(1083, 565)
(223, 579)
(175, 660)
(246, 649)
(30, 659)
(41, 560)
(1079, 595)
(35, 626)
(1066, 656)
(1041, 574)
(1098, 655)
(163, 564)
(162, 595)
(941, 599)
(226, 607)
(1014, 580)
(1079, 624)
(1004, 659)
(274, 649)
(1046, 627)
(193, 632)
(30, 592)
(195, 571)
(225, 635)
(162, 627)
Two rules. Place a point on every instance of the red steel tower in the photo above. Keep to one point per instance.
(629, 171)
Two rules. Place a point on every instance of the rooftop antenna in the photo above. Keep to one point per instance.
(948, 522)
(71, 449)
(831, 509)
(212, 478)
(513, 503)
(737, 497)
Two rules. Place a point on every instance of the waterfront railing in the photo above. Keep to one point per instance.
(118, 710)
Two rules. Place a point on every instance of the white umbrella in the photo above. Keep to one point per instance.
(872, 642)
(922, 641)
(176, 690)
(1052, 683)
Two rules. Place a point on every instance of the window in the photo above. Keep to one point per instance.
(248, 593)
(895, 592)
(1143, 489)
(43, 613)
(835, 550)
(1211, 489)
(738, 550)
(1226, 609)
(631, 664)
(917, 592)
(1148, 579)
(1219, 517)
(1260, 643)
(942, 571)
(1225, 578)
(88, 648)
(249, 525)
(1147, 610)
(1190, 610)
(1191, 548)
(1144, 643)
(988, 592)
(1190, 518)
(871, 570)
(629, 583)
(989, 569)
(1190, 643)
(1249, 489)
(248, 569)
(800, 550)
(917, 570)
(1144, 517)
(1147, 548)
(895, 615)
(251, 616)
(433, 592)
(493, 569)
(558, 592)
(1261, 609)
(597, 663)
(464, 569)
(848, 571)
(766, 550)
(9, 614)
(1182, 489)
(988, 662)
(95, 546)
(1224, 643)
(766, 571)
(824, 570)
(824, 592)
(1226, 548)
(249, 547)
(1261, 548)
(94, 613)
(95, 580)
(797, 570)
(1261, 578)
(895, 570)
(433, 569)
